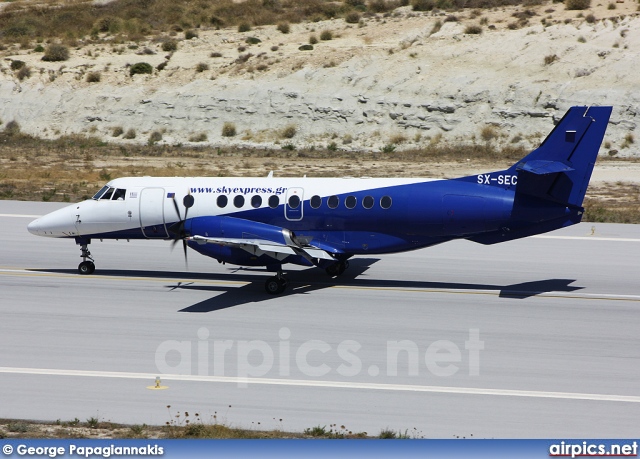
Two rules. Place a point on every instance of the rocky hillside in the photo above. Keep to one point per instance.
(405, 80)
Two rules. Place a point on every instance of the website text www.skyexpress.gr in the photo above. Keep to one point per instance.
(239, 190)
(588, 449)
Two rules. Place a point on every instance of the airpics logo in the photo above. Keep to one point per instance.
(313, 358)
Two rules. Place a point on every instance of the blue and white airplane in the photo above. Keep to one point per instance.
(324, 222)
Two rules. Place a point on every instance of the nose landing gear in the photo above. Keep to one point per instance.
(87, 266)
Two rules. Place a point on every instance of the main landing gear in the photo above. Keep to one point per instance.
(337, 269)
(87, 266)
(276, 284)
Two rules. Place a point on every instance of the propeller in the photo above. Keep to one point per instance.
(177, 229)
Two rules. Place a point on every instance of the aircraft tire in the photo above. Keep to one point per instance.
(275, 286)
(86, 267)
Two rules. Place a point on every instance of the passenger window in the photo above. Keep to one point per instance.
(385, 202)
(294, 201)
(222, 201)
(316, 201)
(119, 195)
(108, 194)
(274, 201)
(101, 192)
(333, 202)
(256, 201)
(238, 201)
(350, 202)
(367, 202)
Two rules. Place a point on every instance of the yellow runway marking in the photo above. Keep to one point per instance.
(504, 293)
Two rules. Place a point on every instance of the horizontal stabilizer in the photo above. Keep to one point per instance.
(543, 167)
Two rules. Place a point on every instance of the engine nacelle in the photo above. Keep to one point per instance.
(237, 228)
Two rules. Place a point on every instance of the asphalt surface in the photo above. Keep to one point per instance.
(531, 338)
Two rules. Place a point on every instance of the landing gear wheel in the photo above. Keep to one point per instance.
(337, 269)
(86, 267)
(275, 285)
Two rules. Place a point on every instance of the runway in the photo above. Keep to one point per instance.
(536, 338)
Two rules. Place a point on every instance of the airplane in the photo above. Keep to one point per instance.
(323, 222)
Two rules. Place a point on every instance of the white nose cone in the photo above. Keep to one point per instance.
(61, 223)
(34, 227)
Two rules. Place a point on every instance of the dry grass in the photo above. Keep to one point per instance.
(134, 19)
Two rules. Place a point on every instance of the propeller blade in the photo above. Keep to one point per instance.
(184, 246)
(175, 205)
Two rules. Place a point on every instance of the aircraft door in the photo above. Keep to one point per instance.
(152, 213)
(294, 201)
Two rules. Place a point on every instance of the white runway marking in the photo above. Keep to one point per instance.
(20, 216)
(325, 384)
(587, 238)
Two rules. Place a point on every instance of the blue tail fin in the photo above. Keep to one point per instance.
(559, 170)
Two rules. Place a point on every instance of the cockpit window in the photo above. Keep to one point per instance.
(108, 194)
(101, 192)
(119, 195)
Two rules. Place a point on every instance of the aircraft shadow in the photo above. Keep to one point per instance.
(309, 280)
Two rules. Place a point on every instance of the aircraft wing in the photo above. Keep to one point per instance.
(259, 247)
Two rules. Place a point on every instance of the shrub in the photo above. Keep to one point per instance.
(131, 134)
(381, 6)
(313, 39)
(283, 27)
(488, 133)
(12, 128)
(201, 67)
(202, 137)
(155, 137)
(388, 148)
(422, 5)
(253, 40)
(436, 27)
(24, 72)
(189, 34)
(117, 131)
(289, 132)
(140, 68)
(274, 48)
(56, 53)
(326, 35)
(577, 4)
(473, 29)
(16, 64)
(169, 46)
(590, 18)
(228, 130)
(215, 54)
(161, 66)
(39, 49)
(109, 24)
(244, 27)
(306, 48)
(550, 59)
(352, 18)
(93, 77)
